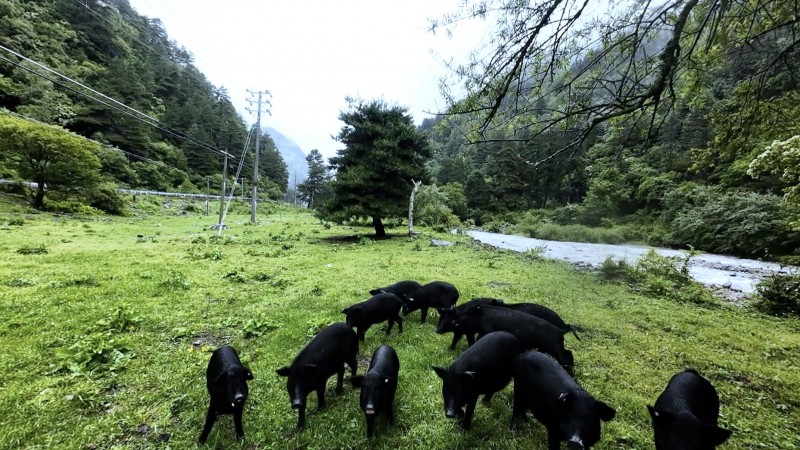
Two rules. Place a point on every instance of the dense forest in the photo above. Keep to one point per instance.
(684, 172)
(104, 72)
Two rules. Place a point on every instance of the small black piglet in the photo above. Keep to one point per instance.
(450, 320)
(226, 380)
(325, 355)
(567, 411)
(400, 289)
(685, 414)
(383, 306)
(482, 369)
(379, 385)
(436, 294)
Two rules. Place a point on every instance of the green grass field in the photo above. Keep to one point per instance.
(107, 324)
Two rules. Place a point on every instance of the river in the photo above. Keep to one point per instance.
(736, 275)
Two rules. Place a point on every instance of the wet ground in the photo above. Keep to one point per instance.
(730, 277)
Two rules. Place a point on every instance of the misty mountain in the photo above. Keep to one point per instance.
(292, 154)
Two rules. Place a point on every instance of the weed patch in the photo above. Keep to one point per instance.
(38, 249)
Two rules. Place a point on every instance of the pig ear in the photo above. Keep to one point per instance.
(605, 412)
(442, 372)
(470, 374)
(284, 371)
(716, 435)
(660, 416)
(387, 380)
(310, 368)
(357, 380)
(475, 310)
(564, 397)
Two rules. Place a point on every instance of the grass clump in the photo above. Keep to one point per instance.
(658, 276)
(38, 249)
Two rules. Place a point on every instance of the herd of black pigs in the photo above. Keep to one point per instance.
(522, 341)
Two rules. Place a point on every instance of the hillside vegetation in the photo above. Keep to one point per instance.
(107, 326)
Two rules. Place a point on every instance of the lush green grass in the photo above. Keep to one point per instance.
(266, 288)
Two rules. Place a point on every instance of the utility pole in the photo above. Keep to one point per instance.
(261, 103)
(222, 196)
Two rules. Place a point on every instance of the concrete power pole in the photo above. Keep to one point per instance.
(261, 103)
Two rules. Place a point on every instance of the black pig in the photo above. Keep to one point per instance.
(567, 411)
(324, 356)
(400, 289)
(545, 313)
(450, 320)
(383, 306)
(379, 385)
(685, 414)
(437, 294)
(482, 369)
(533, 332)
(226, 380)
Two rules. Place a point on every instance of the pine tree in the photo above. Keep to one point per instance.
(383, 153)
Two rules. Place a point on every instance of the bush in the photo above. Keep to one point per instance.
(69, 206)
(39, 249)
(737, 223)
(658, 276)
(779, 295)
(106, 198)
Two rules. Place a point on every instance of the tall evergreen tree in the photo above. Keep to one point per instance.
(383, 152)
(312, 187)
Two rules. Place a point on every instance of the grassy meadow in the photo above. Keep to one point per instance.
(107, 324)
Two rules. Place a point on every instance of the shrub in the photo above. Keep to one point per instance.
(95, 354)
(659, 276)
(106, 198)
(39, 249)
(779, 295)
(738, 223)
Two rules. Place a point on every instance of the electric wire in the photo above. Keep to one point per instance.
(142, 116)
(122, 30)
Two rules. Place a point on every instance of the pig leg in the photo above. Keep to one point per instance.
(470, 339)
(399, 321)
(321, 396)
(456, 338)
(519, 409)
(370, 424)
(389, 328)
(237, 422)
(339, 380)
(424, 312)
(211, 417)
(351, 361)
(466, 422)
(553, 440)
(301, 417)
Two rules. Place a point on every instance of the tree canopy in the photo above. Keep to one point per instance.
(315, 182)
(383, 153)
(51, 157)
(568, 66)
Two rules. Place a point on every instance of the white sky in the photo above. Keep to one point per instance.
(311, 54)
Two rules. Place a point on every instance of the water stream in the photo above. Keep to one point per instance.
(717, 271)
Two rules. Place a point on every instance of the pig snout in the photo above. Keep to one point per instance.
(239, 399)
(369, 409)
(575, 443)
(297, 403)
(451, 412)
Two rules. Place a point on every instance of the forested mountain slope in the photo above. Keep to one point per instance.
(678, 173)
(106, 47)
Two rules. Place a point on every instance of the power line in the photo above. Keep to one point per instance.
(160, 55)
(121, 107)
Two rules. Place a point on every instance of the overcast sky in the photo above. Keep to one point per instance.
(312, 54)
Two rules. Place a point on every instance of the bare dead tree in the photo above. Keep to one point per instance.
(565, 66)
